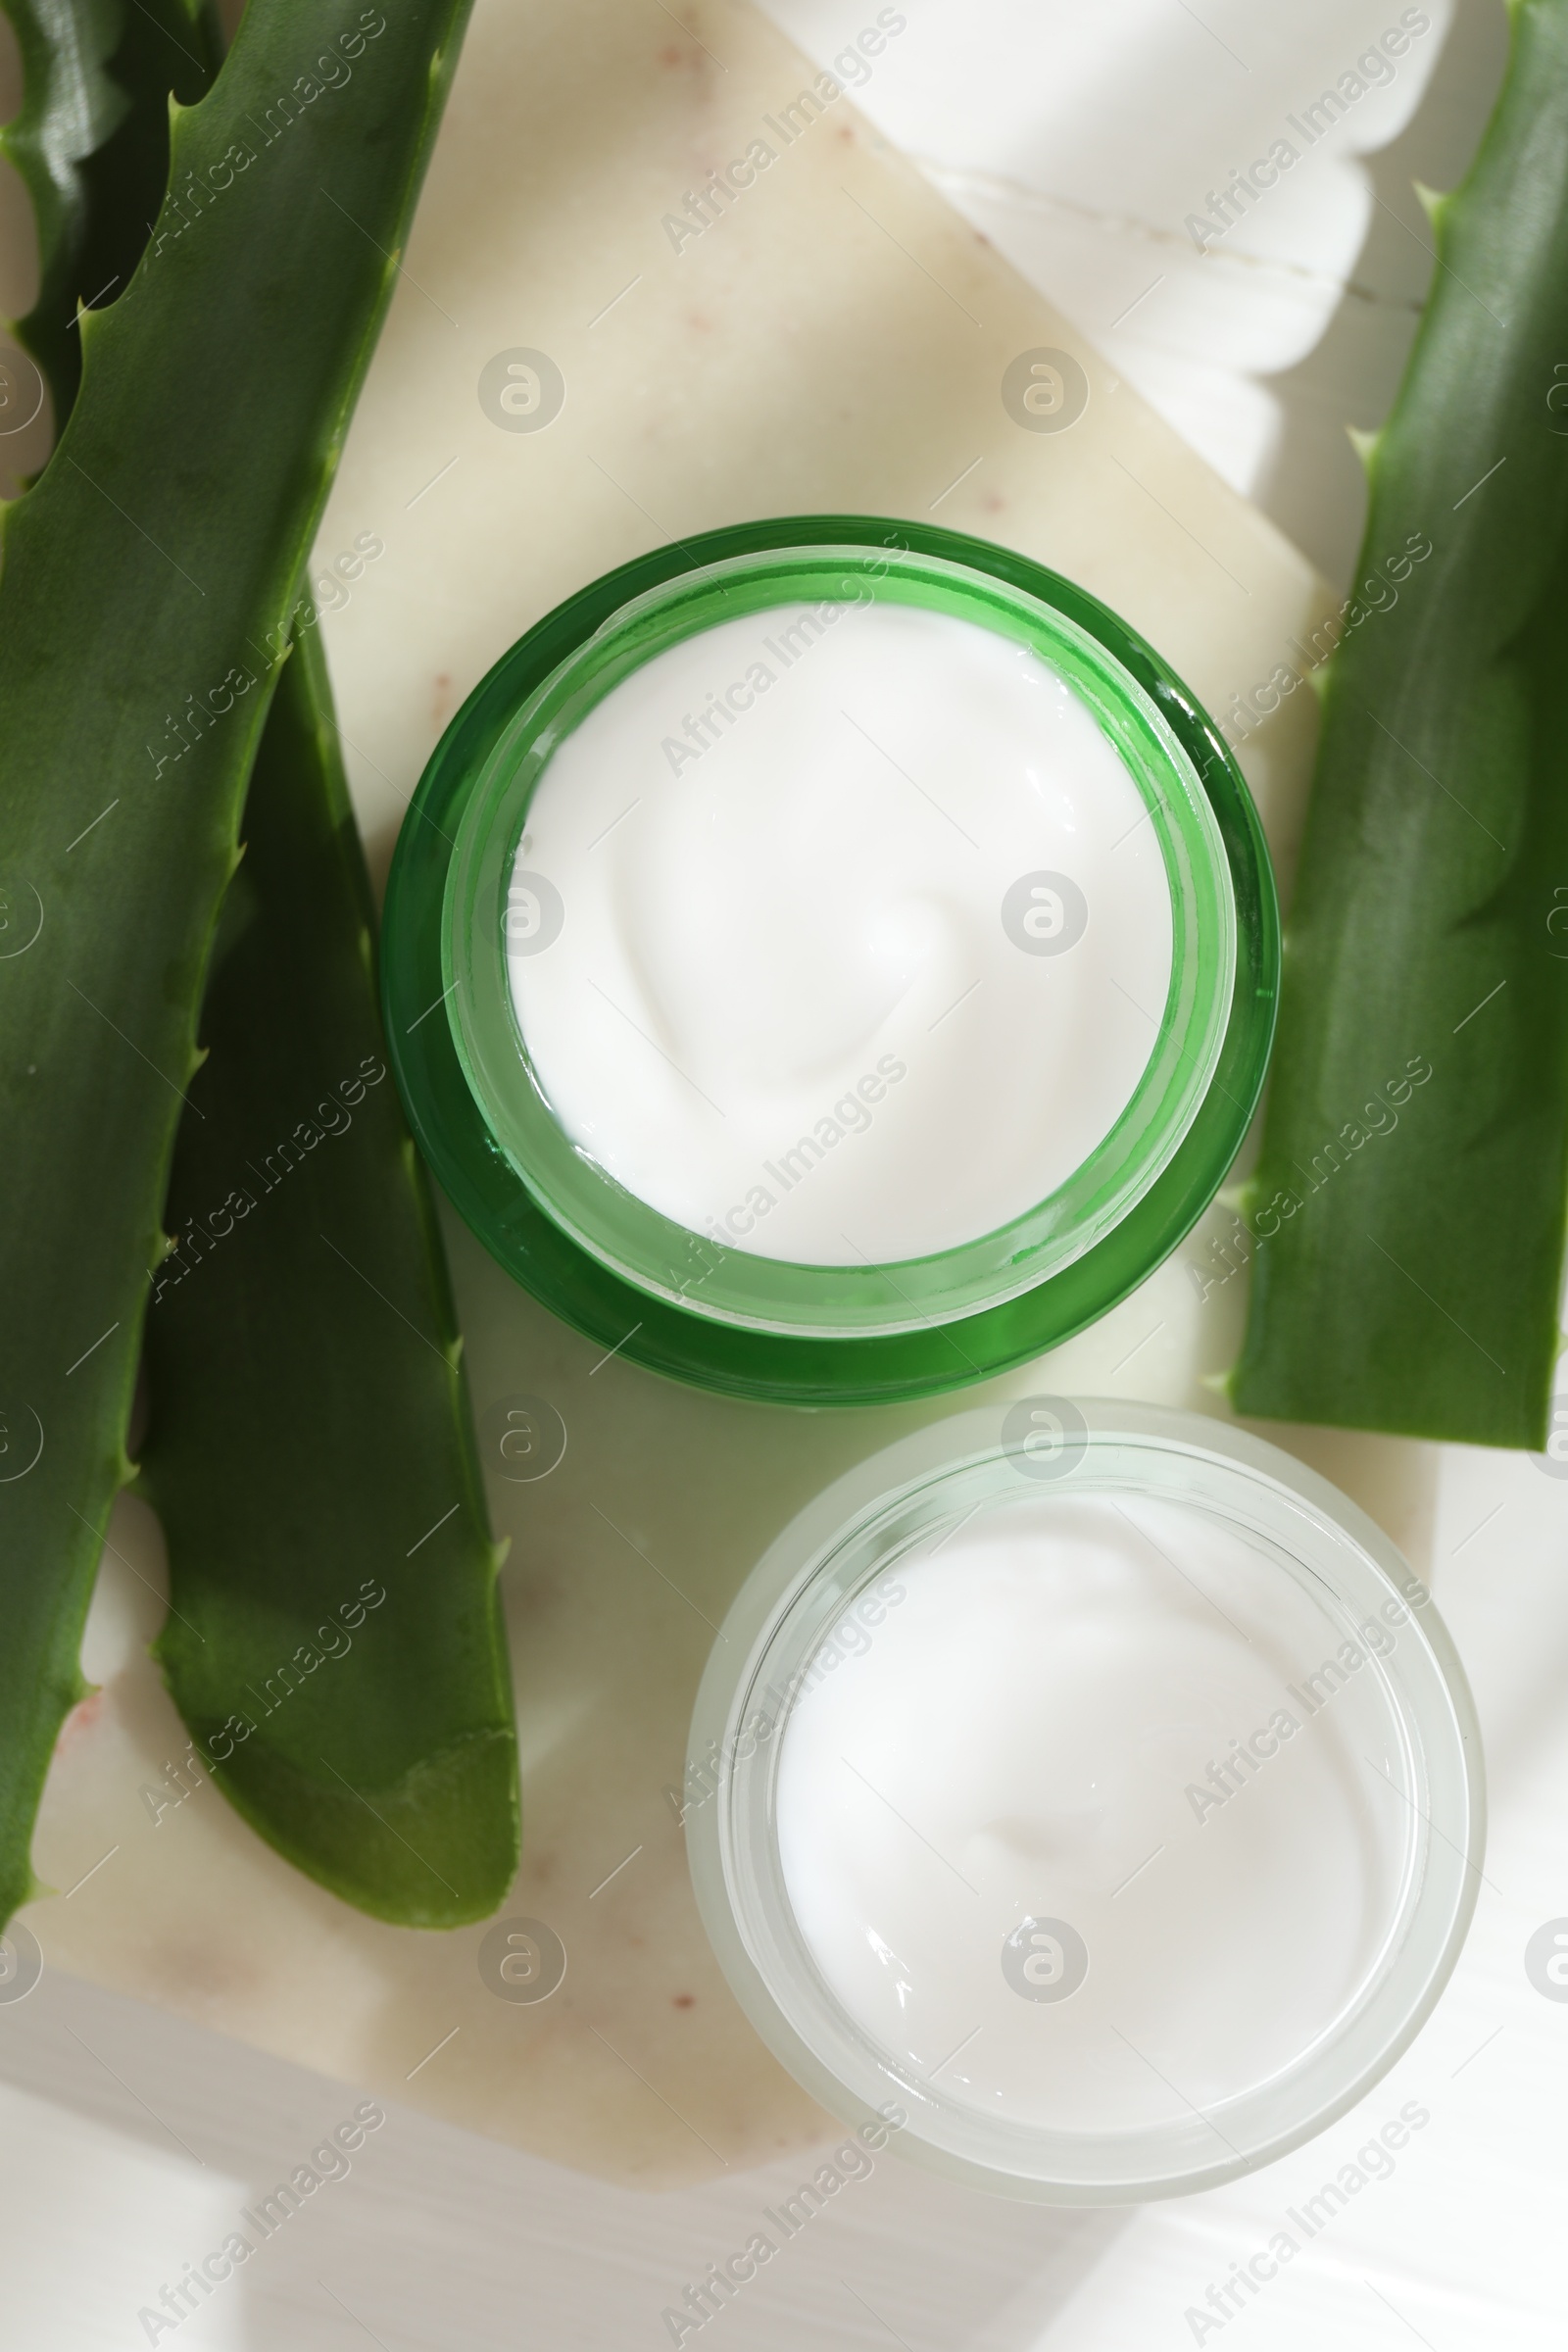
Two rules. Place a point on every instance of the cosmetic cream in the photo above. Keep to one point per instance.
(830, 960)
(1098, 1777)
(865, 938)
(1078, 1714)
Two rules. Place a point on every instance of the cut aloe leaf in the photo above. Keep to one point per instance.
(90, 142)
(334, 1641)
(416, 1730)
(149, 580)
(1409, 1205)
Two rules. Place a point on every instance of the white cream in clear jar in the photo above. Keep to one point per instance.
(1084, 1826)
(858, 938)
(1095, 1780)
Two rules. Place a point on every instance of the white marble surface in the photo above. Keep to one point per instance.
(1078, 142)
(838, 342)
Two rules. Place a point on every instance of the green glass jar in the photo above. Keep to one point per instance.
(677, 1299)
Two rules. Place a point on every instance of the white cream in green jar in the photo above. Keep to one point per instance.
(865, 942)
(822, 937)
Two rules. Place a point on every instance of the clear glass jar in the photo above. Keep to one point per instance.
(1213, 1972)
(732, 1319)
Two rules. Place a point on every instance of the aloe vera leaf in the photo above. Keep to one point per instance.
(146, 580)
(1406, 1276)
(407, 1748)
(90, 142)
(310, 1446)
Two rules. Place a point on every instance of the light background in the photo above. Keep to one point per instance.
(1078, 140)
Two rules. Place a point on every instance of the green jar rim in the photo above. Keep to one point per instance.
(619, 1270)
(763, 1292)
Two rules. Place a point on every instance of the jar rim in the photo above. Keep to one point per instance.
(1311, 1534)
(636, 1241)
(662, 1328)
